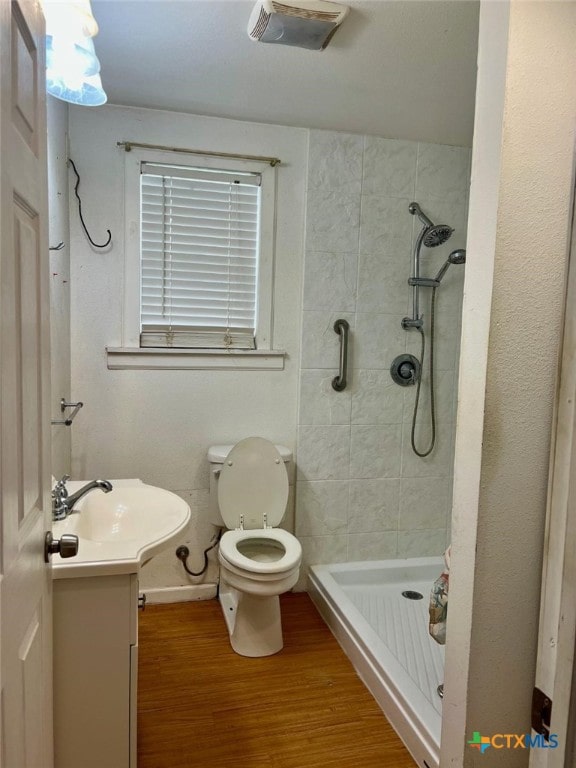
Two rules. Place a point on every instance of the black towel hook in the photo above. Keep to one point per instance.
(96, 245)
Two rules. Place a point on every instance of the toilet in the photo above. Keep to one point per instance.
(258, 561)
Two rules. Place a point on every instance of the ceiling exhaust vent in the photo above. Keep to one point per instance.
(305, 24)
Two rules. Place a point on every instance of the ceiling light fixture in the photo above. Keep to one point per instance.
(72, 67)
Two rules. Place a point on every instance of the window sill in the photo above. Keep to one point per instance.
(147, 359)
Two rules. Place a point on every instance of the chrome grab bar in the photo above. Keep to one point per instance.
(342, 328)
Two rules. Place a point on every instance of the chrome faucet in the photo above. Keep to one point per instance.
(63, 504)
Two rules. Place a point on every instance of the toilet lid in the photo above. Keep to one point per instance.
(253, 482)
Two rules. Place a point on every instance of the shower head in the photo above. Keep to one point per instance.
(437, 235)
(456, 257)
(432, 234)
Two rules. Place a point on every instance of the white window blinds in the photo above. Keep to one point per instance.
(199, 257)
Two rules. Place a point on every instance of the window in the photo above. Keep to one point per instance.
(199, 262)
(199, 250)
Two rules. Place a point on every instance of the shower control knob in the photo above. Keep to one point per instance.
(405, 370)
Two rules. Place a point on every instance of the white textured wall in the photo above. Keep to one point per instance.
(533, 223)
(362, 494)
(59, 231)
(157, 425)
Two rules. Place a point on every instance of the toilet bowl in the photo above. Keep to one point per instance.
(258, 562)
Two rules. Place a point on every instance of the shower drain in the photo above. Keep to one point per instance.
(412, 595)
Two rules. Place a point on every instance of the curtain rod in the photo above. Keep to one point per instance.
(129, 144)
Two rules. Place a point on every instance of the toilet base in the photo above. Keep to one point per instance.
(253, 622)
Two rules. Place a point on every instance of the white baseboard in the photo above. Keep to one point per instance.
(157, 595)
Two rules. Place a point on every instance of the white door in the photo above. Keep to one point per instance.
(25, 586)
(557, 633)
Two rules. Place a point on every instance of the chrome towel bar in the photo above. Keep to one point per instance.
(342, 328)
(70, 418)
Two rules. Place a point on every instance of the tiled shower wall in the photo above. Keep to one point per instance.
(361, 492)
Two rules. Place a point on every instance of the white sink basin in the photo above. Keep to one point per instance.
(118, 531)
(128, 514)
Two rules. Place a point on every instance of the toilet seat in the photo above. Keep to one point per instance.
(253, 485)
(289, 560)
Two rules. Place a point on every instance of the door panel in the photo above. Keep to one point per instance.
(24, 79)
(30, 663)
(27, 320)
(25, 580)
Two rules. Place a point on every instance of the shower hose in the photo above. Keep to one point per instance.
(428, 451)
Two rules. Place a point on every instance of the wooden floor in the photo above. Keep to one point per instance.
(202, 705)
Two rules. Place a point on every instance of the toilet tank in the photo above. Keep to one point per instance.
(216, 457)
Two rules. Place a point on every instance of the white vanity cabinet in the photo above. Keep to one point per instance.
(96, 618)
(95, 671)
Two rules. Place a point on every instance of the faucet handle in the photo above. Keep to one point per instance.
(60, 492)
(61, 484)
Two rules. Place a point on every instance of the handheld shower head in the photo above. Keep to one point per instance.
(456, 257)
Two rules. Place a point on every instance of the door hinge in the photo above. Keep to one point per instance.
(541, 713)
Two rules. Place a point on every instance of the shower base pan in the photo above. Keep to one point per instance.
(385, 636)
